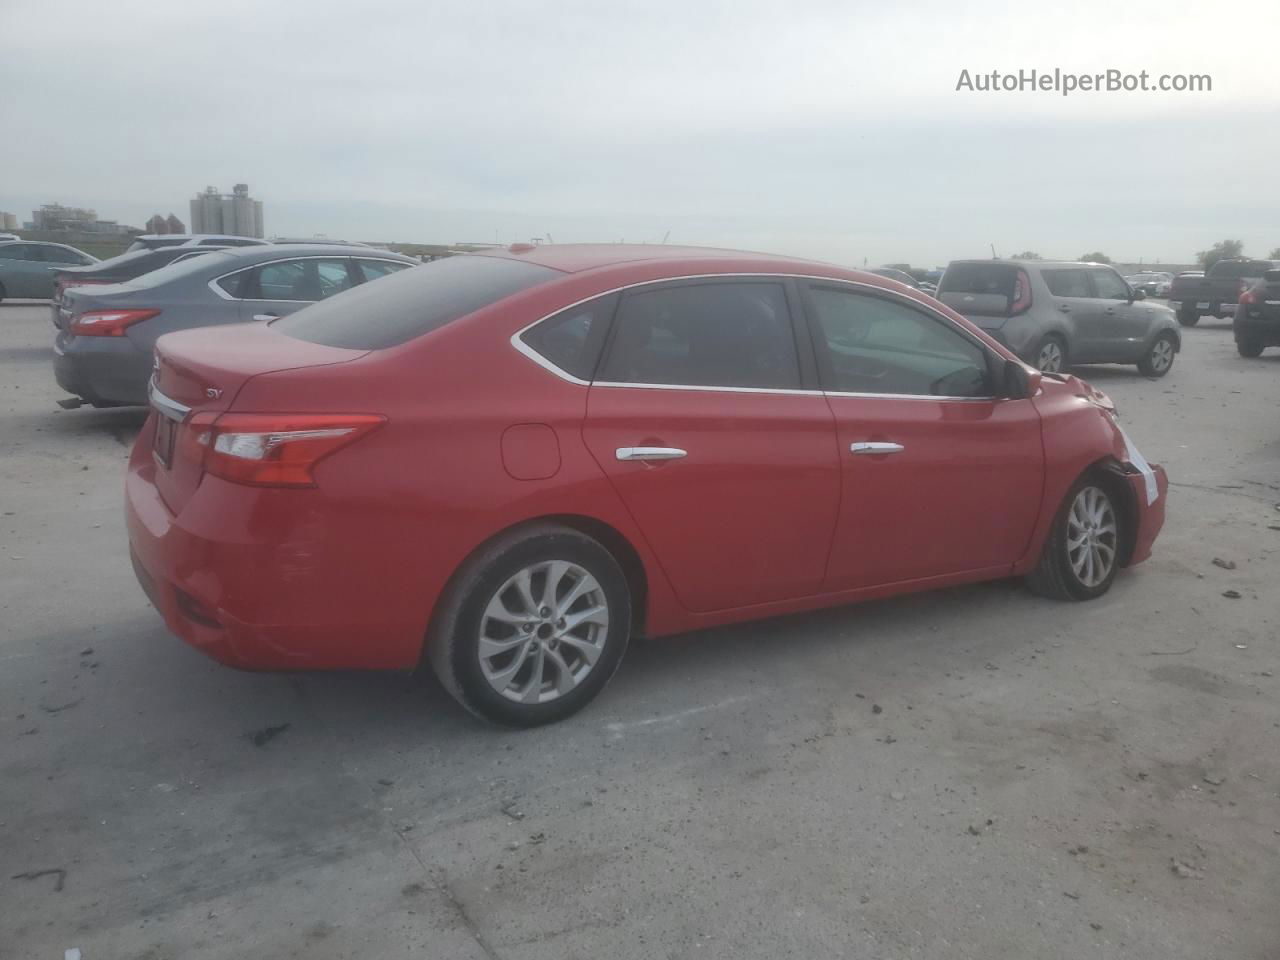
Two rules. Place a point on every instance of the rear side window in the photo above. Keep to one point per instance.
(14, 251)
(412, 302)
(981, 289)
(1067, 283)
(571, 340)
(708, 334)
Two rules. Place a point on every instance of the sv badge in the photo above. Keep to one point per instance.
(213, 393)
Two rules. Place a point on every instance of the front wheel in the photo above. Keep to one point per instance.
(1249, 347)
(537, 627)
(1051, 354)
(1188, 318)
(1159, 356)
(1079, 560)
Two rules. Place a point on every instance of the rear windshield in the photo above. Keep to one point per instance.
(985, 278)
(155, 244)
(182, 268)
(390, 311)
(1235, 269)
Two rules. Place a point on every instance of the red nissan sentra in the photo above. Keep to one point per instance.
(507, 464)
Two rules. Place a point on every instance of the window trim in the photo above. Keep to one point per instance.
(861, 285)
(213, 283)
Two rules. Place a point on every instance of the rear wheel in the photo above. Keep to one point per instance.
(536, 628)
(1188, 318)
(1051, 354)
(1250, 347)
(1159, 357)
(1079, 560)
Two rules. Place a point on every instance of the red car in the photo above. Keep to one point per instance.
(507, 464)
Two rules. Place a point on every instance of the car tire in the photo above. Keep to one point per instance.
(1050, 355)
(1188, 318)
(1067, 572)
(2, 293)
(1158, 360)
(1250, 347)
(500, 645)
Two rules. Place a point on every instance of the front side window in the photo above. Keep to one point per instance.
(571, 340)
(880, 346)
(373, 269)
(1067, 283)
(1108, 285)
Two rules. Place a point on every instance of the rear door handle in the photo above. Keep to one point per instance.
(266, 316)
(873, 449)
(650, 453)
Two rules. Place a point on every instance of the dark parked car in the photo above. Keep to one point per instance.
(1054, 314)
(127, 266)
(27, 267)
(105, 334)
(1215, 293)
(1257, 321)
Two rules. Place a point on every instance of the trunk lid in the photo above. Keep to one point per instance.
(198, 374)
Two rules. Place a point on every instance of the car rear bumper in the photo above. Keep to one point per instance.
(101, 369)
(240, 579)
(1150, 516)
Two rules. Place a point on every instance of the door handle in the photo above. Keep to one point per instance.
(650, 453)
(1110, 310)
(865, 448)
(266, 316)
(1064, 307)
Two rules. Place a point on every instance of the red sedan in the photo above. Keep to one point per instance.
(506, 465)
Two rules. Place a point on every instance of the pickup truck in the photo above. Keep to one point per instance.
(1216, 293)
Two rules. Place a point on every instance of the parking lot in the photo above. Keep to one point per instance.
(969, 773)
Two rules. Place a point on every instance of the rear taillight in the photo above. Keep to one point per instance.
(273, 450)
(108, 323)
(1021, 294)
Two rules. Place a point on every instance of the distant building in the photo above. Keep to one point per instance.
(169, 224)
(8, 221)
(235, 214)
(54, 217)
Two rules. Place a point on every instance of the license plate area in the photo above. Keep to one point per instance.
(162, 442)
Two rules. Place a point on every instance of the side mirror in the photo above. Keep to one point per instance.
(1139, 294)
(1020, 381)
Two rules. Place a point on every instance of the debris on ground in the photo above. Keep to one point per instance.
(264, 736)
(512, 811)
(58, 872)
(1224, 564)
(1231, 594)
(1214, 779)
(897, 795)
(384, 782)
(876, 708)
(1072, 896)
(65, 706)
(1184, 870)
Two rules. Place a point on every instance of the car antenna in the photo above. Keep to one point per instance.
(994, 255)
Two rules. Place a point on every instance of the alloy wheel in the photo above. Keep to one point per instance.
(1092, 536)
(543, 631)
(1050, 357)
(1162, 355)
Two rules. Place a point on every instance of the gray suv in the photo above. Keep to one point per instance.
(1052, 314)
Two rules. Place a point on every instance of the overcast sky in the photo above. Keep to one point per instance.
(831, 130)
